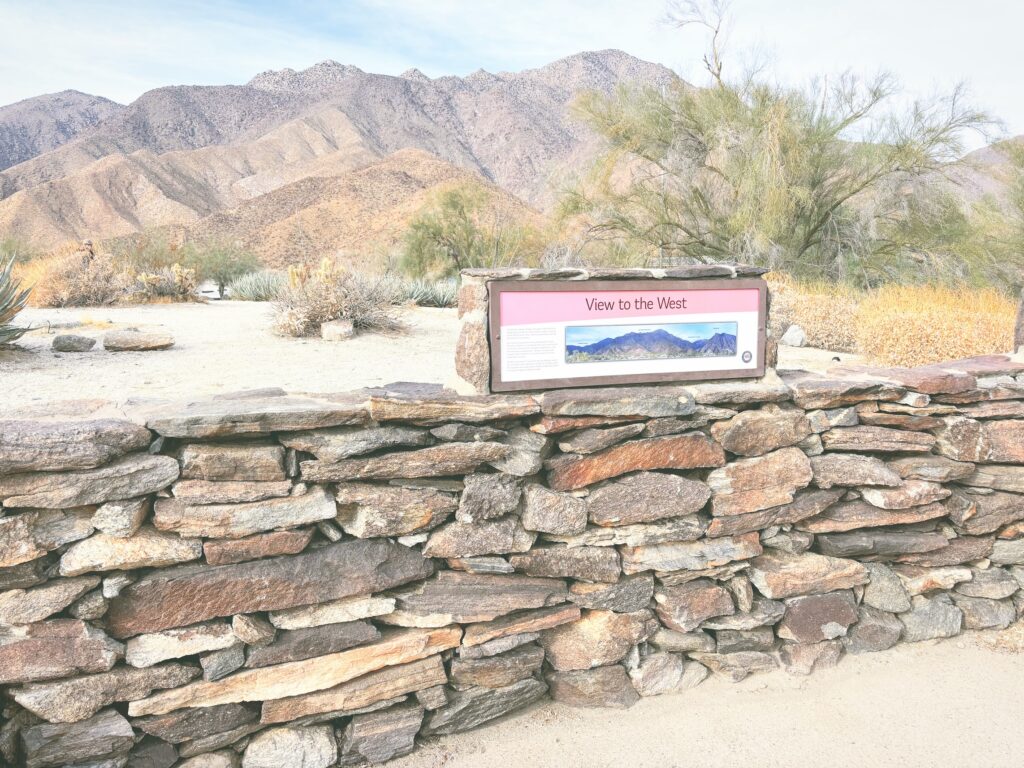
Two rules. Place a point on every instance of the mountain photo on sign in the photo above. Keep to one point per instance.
(665, 341)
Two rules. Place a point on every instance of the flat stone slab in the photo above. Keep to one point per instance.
(436, 461)
(646, 402)
(137, 341)
(260, 416)
(61, 445)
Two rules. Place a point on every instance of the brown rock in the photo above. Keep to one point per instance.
(487, 496)
(233, 521)
(491, 537)
(996, 476)
(435, 461)
(881, 542)
(618, 401)
(596, 639)
(601, 687)
(251, 462)
(429, 405)
(20, 606)
(497, 671)
(554, 425)
(121, 518)
(813, 618)
(806, 504)
(927, 379)
(178, 598)
(345, 442)
(900, 421)
(453, 596)
(366, 510)
(79, 698)
(804, 658)
(975, 515)
(852, 515)
(52, 649)
(779, 575)
(471, 708)
(982, 613)
(146, 549)
(995, 409)
(757, 432)
(736, 666)
(519, 623)
(136, 341)
(876, 439)
(688, 528)
(54, 446)
(963, 549)
(258, 416)
(762, 613)
(594, 440)
(851, 470)
(737, 640)
(551, 512)
(381, 736)
(89, 742)
(685, 607)
(674, 452)
(917, 579)
(682, 642)
(332, 612)
(632, 593)
(17, 544)
(645, 497)
(226, 551)
(768, 389)
(125, 478)
(690, 556)
(228, 492)
(911, 493)
(810, 391)
(150, 649)
(527, 451)
(937, 469)
(300, 677)
(965, 439)
(749, 485)
(584, 563)
(364, 691)
(298, 644)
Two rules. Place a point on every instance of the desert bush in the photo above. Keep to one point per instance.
(431, 293)
(221, 263)
(13, 299)
(826, 312)
(150, 252)
(170, 284)
(264, 285)
(917, 325)
(71, 279)
(314, 297)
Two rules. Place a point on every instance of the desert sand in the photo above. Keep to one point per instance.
(227, 346)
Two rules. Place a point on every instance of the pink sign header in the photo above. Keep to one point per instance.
(530, 307)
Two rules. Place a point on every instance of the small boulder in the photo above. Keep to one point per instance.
(137, 341)
(69, 342)
(337, 330)
(794, 337)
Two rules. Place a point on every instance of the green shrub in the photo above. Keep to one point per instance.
(13, 299)
(431, 293)
(221, 263)
(265, 285)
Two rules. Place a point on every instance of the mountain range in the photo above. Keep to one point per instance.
(651, 345)
(338, 155)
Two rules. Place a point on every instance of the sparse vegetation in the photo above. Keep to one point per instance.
(316, 296)
(265, 285)
(170, 284)
(825, 311)
(13, 299)
(75, 278)
(462, 228)
(221, 263)
(431, 293)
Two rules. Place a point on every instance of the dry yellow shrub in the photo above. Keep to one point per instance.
(825, 311)
(917, 325)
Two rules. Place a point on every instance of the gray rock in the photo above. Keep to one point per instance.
(311, 747)
(684, 608)
(90, 607)
(366, 510)
(147, 650)
(645, 497)
(492, 564)
(468, 709)
(491, 537)
(69, 342)
(763, 612)
(486, 497)
(121, 519)
(804, 658)
(298, 644)
(1008, 552)
(794, 337)
(106, 735)
(792, 542)
(734, 640)
(601, 687)
(882, 542)
(736, 666)
(982, 613)
(527, 454)
(852, 470)
(594, 440)
(125, 478)
(496, 671)
(79, 698)
(344, 442)
(225, 462)
(885, 591)
(136, 341)
(54, 648)
(148, 548)
(657, 673)
(631, 593)
(597, 638)
(551, 512)
(453, 596)
(760, 431)
(378, 737)
(595, 564)
(223, 759)
(20, 606)
(464, 433)
(650, 402)
(674, 529)
(991, 583)
(682, 642)
(229, 491)
(222, 663)
(190, 724)
(28, 445)
(690, 555)
(152, 753)
(930, 618)
(875, 630)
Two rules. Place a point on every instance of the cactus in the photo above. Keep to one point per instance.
(12, 301)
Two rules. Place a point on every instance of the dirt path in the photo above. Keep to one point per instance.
(951, 704)
(228, 346)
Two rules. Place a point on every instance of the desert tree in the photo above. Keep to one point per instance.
(811, 180)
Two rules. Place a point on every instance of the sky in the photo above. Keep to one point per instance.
(121, 49)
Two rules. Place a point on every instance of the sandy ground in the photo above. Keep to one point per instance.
(955, 703)
(228, 346)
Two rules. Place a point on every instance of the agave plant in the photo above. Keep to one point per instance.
(12, 301)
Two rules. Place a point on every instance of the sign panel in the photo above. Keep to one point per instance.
(549, 334)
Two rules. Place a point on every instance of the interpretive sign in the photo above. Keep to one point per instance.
(564, 334)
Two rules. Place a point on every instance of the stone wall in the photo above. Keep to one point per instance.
(273, 580)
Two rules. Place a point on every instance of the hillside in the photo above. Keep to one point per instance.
(180, 154)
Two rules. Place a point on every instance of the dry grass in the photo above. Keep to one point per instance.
(825, 311)
(64, 280)
(917, 325)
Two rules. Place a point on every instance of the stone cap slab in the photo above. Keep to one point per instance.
(684, 272)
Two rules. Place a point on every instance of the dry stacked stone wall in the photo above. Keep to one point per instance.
(273, 580)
